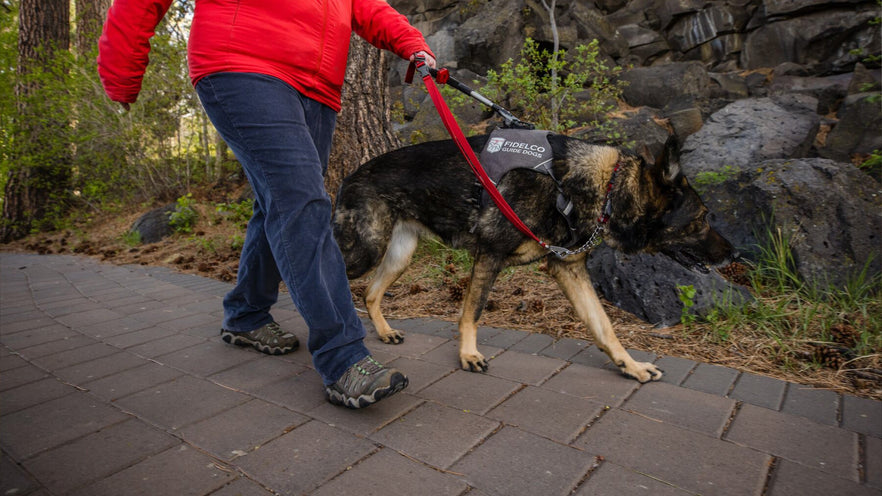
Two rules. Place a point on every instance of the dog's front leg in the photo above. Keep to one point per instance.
(574, 281)
(484, 272)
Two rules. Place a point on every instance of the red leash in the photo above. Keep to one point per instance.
(460, 140)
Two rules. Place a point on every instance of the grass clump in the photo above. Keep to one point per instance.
(797, 325)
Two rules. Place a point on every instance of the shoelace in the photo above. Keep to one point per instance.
(357, 375)
(368, 366)
(274, 329)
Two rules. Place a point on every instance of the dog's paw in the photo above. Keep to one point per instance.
(642, 372)
(474, 363)
(392, 337)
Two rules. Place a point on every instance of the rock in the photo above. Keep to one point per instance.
(591, 24)
(644, 45)
(864, 80)
(643, 131)
(490, 37)
(781, 7)
(693, 30)
(858, 129)
(154, 225)
(752, 130)
(684, 117)
(830, 211)
(790, 69)
(829, 91)
(659, 85)
(646, 285)
(823, 41)
(729, 86)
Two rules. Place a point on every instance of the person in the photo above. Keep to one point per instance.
(269, 75)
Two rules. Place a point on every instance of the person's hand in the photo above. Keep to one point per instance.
(430, 61)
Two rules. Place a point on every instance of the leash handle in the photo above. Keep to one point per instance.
(443, 77)
(508, 120)
(459, 138)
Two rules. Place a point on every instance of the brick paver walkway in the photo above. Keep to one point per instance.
(113, 381)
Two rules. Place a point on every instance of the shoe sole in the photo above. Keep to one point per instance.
(366, 399)
(238, 340)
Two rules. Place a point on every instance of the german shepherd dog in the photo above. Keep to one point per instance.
(389, 202)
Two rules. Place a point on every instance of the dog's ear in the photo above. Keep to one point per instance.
(669, 159)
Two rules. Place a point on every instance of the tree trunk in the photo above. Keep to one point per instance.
(90, 18)
(364, 125)
(41, 169)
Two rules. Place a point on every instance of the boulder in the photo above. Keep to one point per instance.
(858, 129)
(829, 90)
(789, 7)
(659, 85)
(641, 130)
(494, 34)
(684, 116)
(646, 285)
(752, 130)
(825, 41)
(830, 211)
(154, 225)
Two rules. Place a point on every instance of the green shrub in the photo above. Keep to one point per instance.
(184, 216)
(528, 89)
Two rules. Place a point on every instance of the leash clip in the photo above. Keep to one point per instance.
(418, 65)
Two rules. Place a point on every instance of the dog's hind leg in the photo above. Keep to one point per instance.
(574, 281)
(399, 251)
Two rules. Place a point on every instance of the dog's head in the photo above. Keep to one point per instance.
(664, 214)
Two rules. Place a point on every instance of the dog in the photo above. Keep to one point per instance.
(386, 205)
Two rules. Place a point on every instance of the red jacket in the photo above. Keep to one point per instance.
(302, 42)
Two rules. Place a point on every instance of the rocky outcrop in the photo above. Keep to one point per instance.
(825, 36)
(830, 212)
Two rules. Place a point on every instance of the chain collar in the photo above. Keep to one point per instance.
(597, 236)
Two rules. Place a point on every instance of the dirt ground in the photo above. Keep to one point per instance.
(523, 298)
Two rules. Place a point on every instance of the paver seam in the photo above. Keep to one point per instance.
(598, 461)
(862, 458)
(732, 414)
(499, 426)
(771, 470)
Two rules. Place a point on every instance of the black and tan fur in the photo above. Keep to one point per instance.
(389, 202)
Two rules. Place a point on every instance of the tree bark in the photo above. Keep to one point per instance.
(90, 18)
(364, 125)
(41, 169)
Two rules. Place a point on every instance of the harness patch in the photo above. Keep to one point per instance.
(509, 149)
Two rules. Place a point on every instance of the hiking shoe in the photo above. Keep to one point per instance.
(269, 339)
(365, 383)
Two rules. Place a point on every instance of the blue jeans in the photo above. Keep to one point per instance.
(283, 139)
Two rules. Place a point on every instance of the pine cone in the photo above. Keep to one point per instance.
(845, 334)
(537, 305)
(828, 356)
(736, 273)
(457, 291)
